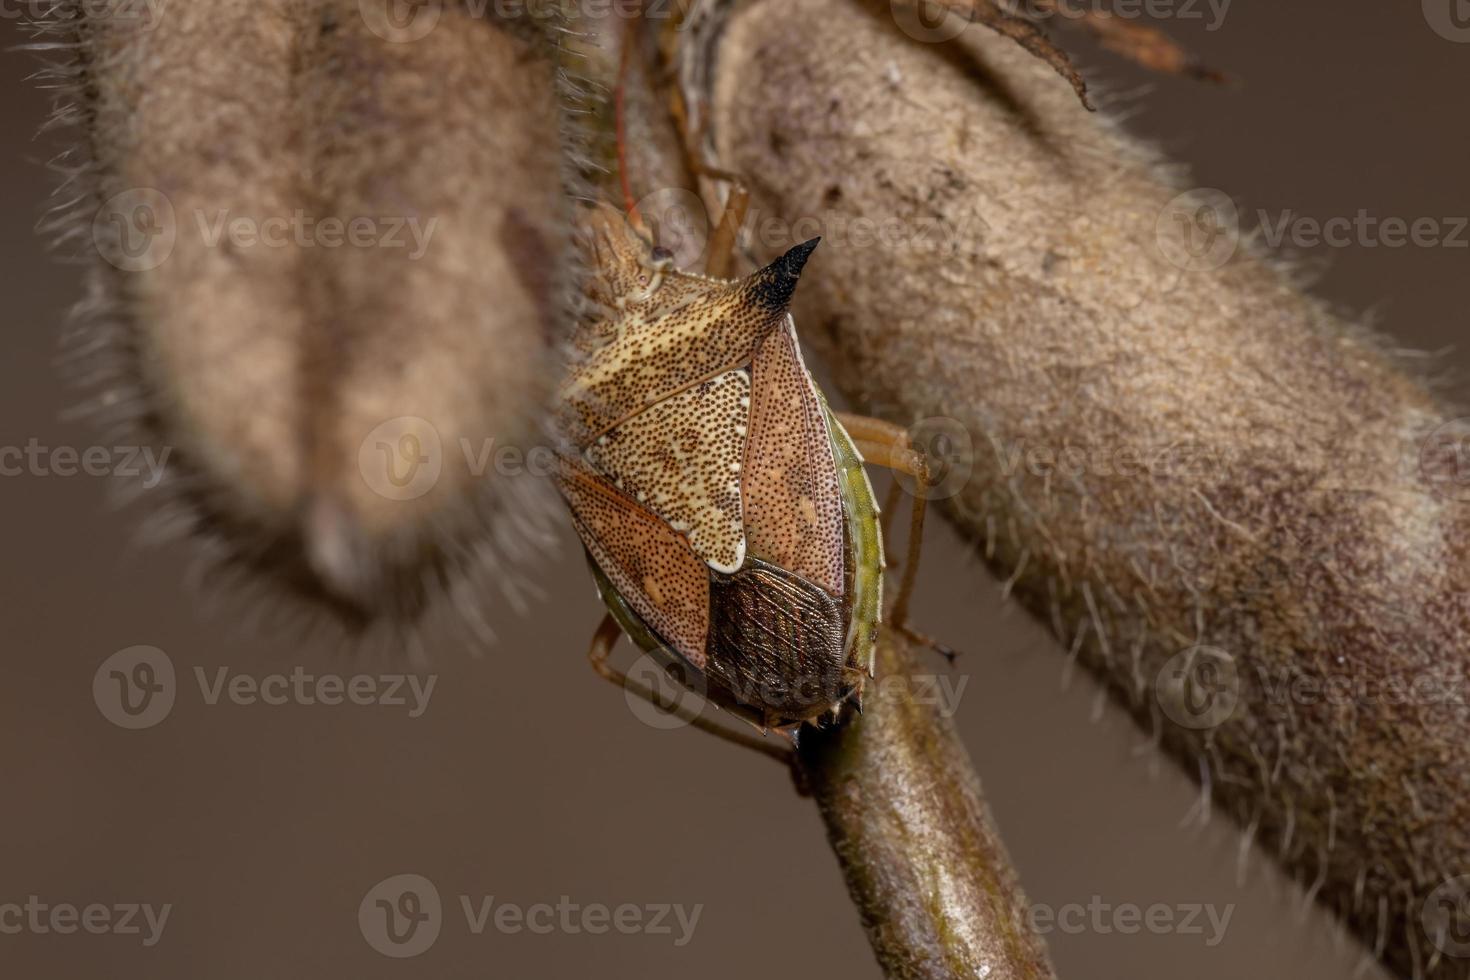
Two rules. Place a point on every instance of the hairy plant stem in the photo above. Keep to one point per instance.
(906, 817)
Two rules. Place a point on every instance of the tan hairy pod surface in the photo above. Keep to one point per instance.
(327, 396)
(1210, 487)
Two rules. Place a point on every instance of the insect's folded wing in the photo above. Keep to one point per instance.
(778, 640)
(682, 457)
(793, 502)
(652, 566)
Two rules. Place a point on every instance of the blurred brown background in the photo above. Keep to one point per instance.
(529, 779)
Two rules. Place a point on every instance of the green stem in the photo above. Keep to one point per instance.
(924, 864)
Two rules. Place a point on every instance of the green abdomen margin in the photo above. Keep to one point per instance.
(865, 538)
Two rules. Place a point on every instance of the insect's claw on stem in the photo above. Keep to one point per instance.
(923, 639)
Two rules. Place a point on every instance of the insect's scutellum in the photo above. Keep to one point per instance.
(725, 511)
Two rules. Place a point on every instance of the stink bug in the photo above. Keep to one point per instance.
(725, 511)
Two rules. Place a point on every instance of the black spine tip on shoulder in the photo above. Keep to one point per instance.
(773, 286)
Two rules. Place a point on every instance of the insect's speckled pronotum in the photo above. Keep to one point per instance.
(724, 508)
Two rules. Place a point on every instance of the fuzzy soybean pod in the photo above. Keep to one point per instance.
(1233, 506)
(326, 248)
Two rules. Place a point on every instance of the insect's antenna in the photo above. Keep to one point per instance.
(620, 122)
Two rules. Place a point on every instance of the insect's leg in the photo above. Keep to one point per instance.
(887, 445)
(903, 460)
(721, 251)
(620, 126)
(599, 653)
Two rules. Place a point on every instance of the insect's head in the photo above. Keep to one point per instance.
(625, 265)
(656, 264)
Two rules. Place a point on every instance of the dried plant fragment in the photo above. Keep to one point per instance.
(994, 15)
(1143, 44)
